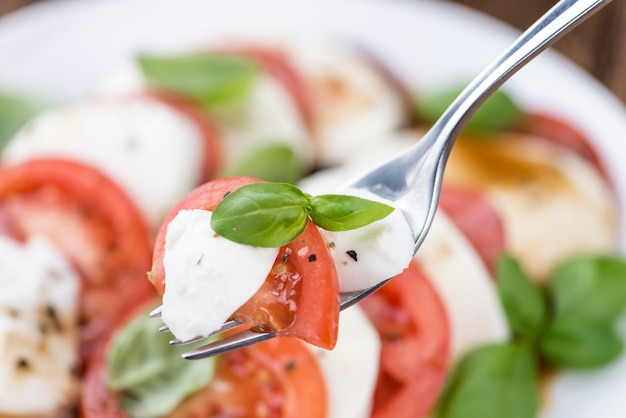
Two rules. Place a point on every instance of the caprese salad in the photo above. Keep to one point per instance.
(148, 177)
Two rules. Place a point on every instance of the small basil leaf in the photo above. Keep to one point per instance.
(522, 300)
(496, 114)
(578, 344)
(275, 162)
(262, 214)
(590, 289)
(343, 213)
(15, 111)
(492, 381)
(209, 79)
(149, 374)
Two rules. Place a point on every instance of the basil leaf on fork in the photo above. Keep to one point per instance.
(274, 214)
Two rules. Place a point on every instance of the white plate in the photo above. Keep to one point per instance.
(62, 48)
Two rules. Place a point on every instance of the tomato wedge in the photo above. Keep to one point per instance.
(279, 378)
(304, 265)
(93, 222)
(472, 213)
(415, 334)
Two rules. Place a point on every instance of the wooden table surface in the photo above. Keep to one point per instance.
(598, 45)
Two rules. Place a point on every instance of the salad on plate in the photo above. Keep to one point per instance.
(206, 179)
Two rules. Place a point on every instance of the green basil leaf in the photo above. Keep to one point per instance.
(590, 289)
(522, 300)
(343, 213)
(149, 374)
(495, 115)
(210, 79)
(262, 214)
(581, 345)
(275, 162)
(492, 381)
(15, 111)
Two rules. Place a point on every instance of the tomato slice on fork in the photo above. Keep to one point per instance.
(304, 265)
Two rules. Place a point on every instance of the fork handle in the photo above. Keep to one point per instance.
(545, 31)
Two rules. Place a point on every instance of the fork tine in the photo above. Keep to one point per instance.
(157, 312)
(176, 342)
(248, 337)
(228, 325)
(234, 342)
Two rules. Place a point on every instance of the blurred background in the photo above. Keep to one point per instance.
(598, 46)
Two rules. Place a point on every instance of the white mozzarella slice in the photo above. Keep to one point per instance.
(465, 287)
(351, 368)
(267, 117)
(38, 330)
(354, 104)
(366, 256)
(207, 277)
(149, 149)
(553, 204)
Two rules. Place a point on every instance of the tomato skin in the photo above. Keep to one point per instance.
(415, 334)
(316, 318)
(125, 247)
(317, 313)
(472, 213)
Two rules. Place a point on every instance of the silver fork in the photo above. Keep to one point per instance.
(412, 179)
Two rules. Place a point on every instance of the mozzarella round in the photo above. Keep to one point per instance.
(466, 289)
(267, 117)
(150, 150)
(38, 330)
(553, 204)
(351, 368)
(207, 277)
(354, 104)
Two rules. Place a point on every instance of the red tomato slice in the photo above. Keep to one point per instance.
(562, 133)
(472, 213)
(279, 378)
(93, 222)
(415, 334)
(305, 266)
